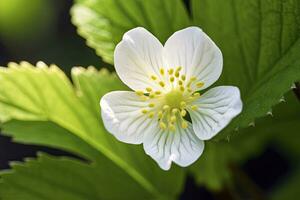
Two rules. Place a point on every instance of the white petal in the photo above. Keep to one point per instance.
(182, 146)
(216, 108)
(122, 116)
(196, 53)
(137, 57)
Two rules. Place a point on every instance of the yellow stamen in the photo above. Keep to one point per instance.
(151, 95)
(177, 74)
(173, 119)
(180, 82)
(162, 84)
(151, 105)
(178, 69)
(182, 104)
(199, 84)
(197, 94)
(144, 111)
(148, 89)
(166, 107)
(194, 107)
(153, 77)
(162, 71)
(174, 110)
(183, 113)
(158, 92)
(172, 79)
(182, 88)
(172, 127)
(171, 71)
(139, 92)
(162, 125)
(160, 114)
(184, 124)
(151, 115)
(183, 77)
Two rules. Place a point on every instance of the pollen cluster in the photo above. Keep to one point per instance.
(170, 106)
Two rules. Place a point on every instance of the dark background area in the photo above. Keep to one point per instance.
(60, 44)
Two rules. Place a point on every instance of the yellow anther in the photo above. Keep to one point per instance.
(194, 107)
(183, 113)
(177, 74)
(139, 92)
(162, 125)
(182, 104)
(183, 77)
(162, 84)
(190, 99)
(170, 71)
(152, 95)
(172, 127)
(174, 110)
(184, 124)
(173, 119)
(182, 88)
(190, 90)
(158, 92)
(178, 69)
(199, 84)
(153, 77)
(144, 111)
(180, 82)
(148, 89)
(151, 115)
(151, 105)
(197, 94)
(193, 78)
(166, 107)
(160, 114)
(172, 79)
(162, 71)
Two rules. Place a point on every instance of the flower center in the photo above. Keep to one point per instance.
(174, 98)
(170, 107)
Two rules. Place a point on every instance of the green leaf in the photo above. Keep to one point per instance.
(260, 41)
(45, 94)
(213, 168)
(55, 178)
(289, 189)
(91, 85)
(48, 134)
(103, 22)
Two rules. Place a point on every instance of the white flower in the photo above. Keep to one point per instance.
(166, 80)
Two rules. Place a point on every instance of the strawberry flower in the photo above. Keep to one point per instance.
(166, 112)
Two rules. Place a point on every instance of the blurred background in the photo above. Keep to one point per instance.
(41, 30)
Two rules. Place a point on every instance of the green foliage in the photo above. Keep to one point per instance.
(260, 41)
(289, 190)
(48, 102)
(281, 128)
(54, 178)
(103, 22)
(260, 46)
(48, 134)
